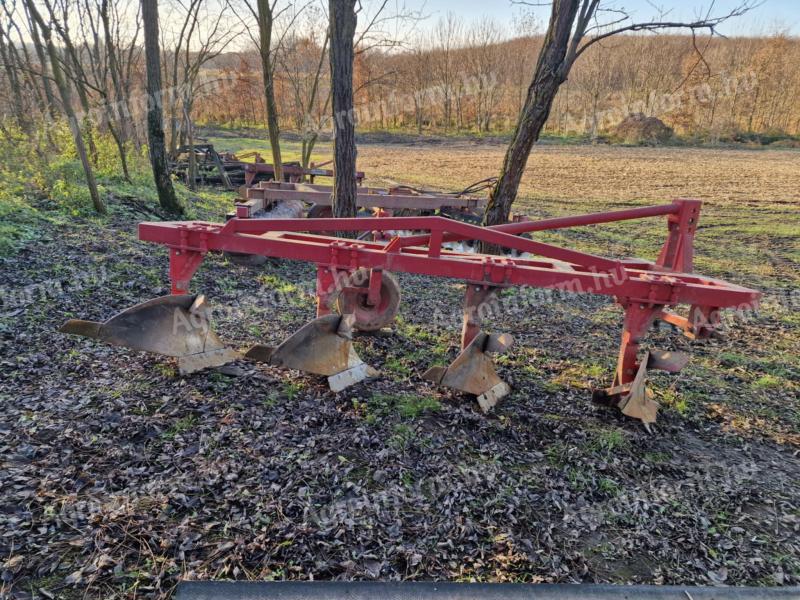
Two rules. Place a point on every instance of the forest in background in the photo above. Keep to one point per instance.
(411, 75)
(467, 79)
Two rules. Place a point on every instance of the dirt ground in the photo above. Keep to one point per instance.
(120, 477)
(586, 173)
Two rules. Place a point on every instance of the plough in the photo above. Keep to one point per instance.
(260, 198)
(356, 290)
(228, 169)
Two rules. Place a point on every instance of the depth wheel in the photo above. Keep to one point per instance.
(370, 318)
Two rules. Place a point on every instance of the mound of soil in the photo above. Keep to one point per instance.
(638, 128)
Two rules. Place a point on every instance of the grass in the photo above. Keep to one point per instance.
(290, 150)
(606, 441)
(407, 406)
(768, 382)
(183, 424)
(41, 190)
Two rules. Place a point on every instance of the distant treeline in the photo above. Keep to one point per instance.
(451, 78)
(735, 88)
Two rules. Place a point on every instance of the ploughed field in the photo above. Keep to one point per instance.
(120, 477)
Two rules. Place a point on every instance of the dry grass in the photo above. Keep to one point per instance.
(749, 228)
(584, 174)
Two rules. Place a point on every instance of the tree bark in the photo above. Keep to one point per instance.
(265, 20)
(342, 31)
(548, 76)
(155, 127)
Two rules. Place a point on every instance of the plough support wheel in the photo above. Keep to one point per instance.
(370, 317)
(175, 326)
(322, 347)
(473, 370)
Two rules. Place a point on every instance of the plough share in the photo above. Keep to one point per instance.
(356, 290)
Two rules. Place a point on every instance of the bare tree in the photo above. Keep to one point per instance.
(342, 14)
(415, 76)
(155, 127)
(266, 21)
(448, 37)
(302, 64)
(102, 55)
(573, 28)
(482, 64)
(66, 101)
(266, 13)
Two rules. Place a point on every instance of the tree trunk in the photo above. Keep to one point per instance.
(66, 99)
(548, 76)
(273, 128)
(342, 31)
(40, 53)
(155, 127)
(14, 85)
(191, 174)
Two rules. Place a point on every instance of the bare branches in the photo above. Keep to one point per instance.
(709, 22)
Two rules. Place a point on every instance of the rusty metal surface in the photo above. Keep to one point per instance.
(370, 317)
(638, 402)
(323, 346)
(473, 371)
(669, 361)
(176, 325)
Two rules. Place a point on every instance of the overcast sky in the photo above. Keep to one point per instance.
(772, 15)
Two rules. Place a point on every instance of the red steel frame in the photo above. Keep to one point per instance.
(644, 289)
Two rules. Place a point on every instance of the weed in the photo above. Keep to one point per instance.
(768, 382)
(292, 389)
(183, 424)
(558, 454)
(165, 370)
(408, 406)
(607, 441)
(608, 487)
(402, 436)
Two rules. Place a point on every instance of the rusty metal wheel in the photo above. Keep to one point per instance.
(370, 318)
(321, 211)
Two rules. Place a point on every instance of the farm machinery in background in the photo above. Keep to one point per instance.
(271, 199)
(356, 290)
(231, 171)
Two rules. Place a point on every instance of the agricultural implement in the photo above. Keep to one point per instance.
(394, 201)
(356, 291)
(261, 171)
(231, 170)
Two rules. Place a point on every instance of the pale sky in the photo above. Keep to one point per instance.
(772, 15)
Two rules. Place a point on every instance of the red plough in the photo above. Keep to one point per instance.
(354, 275)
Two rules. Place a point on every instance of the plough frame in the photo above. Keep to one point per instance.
(644, 289)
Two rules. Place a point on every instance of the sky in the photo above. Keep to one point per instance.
(772, 15)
